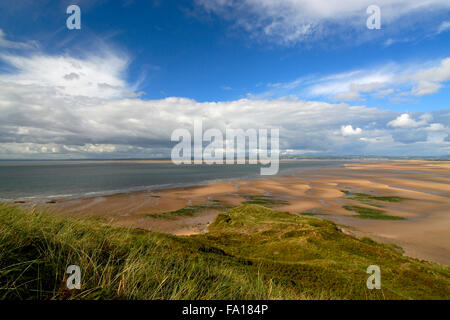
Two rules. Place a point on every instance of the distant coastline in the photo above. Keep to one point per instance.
(282, 158)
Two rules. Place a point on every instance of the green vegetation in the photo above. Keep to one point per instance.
(312, 214)
(369, 213)
(368, 199)
(264, 200)
(189, 211)
(251, 252)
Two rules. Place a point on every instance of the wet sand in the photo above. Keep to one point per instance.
(424, 233)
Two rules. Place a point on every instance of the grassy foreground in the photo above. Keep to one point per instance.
(251, 252)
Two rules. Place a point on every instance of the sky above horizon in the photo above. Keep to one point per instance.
(137, 70)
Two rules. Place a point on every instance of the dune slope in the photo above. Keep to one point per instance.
(250, 252)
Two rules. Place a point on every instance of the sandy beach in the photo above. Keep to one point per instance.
(422, 186)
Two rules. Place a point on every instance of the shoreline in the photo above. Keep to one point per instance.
(423, 186)
(155, 187)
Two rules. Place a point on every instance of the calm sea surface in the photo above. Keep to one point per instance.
(44, 179)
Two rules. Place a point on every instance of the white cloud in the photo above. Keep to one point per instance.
(405, 121)
(348, 96)
(436, 127)
(16, 45)
(425, 88)
(428, 80)
(438, 73)
(345, 86)
(383, 93)
(351, 84)
(93, 76)
(349, 131)
(445, 26)
(292, 21)
(42, 115)
(380, 82)
(363, 86)
(36, 116)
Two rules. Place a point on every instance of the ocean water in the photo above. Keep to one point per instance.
(47, 179)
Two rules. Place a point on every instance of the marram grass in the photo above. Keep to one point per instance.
(251, 252)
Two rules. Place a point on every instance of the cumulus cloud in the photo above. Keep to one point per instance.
(349, 131)
(408, 130)
(93, 76)
(405, 121)
(436, 127)
(72, 76)
(79, 109)
(292, 21)
(36, 114)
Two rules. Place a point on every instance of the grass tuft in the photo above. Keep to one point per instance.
(369, 199)
(369, 213)
(189, 211)
(264, 200)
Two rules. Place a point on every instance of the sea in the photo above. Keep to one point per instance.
(26, 180)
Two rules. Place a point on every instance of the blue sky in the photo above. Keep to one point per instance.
(389, 87)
